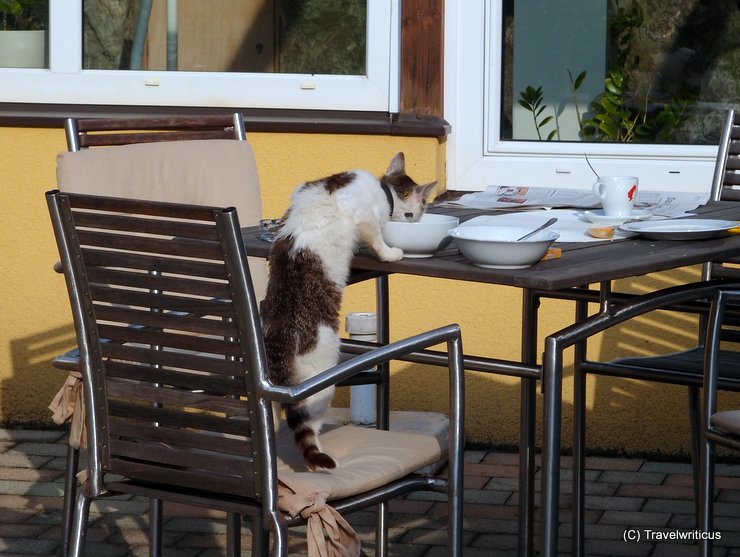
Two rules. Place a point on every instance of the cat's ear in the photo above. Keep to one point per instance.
(426, 190)
(397, 165)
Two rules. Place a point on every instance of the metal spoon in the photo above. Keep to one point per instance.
(528, 234)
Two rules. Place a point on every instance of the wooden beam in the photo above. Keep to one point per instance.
(422, 57)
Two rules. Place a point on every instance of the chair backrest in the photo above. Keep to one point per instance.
(726, 185)
(145, 162)
(170, 340)
(92, 132)
(726, 180)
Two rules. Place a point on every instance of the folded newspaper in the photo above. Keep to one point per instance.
(507, 198)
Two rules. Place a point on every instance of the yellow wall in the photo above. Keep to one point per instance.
(36, 324)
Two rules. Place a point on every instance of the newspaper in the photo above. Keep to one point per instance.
(508, 198)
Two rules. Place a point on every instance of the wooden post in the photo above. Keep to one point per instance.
(422, 60)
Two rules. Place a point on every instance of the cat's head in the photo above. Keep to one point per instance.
(409, 198)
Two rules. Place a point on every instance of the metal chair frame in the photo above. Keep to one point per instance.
(136, 392)
(667, 368)
(711, 435)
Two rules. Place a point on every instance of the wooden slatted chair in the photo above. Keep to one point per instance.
(202, 159)
(177, 395)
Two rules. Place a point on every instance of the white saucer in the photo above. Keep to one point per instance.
(598, 217)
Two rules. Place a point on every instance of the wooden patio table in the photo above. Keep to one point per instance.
(568, 277)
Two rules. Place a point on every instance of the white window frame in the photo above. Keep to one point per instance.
(65, 82)
(477, 158)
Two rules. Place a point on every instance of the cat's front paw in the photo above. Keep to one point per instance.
(391, 254)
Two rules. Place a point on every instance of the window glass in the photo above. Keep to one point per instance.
(270, 36)
(496, 49)
(23, 33)
(620, 71)
(276, 54)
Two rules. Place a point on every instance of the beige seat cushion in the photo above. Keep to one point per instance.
(366, 459)
(728, 421)
(216, 172)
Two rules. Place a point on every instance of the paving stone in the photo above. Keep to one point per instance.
(599, 463)
(620, 476)
(474, 457)
(659, 491)
(496, 542)
(615, 503)
(42, 435)
(681, 468)
(670, 506)
(633, 519)
(675, 550)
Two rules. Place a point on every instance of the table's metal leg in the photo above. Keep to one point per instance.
(382, 309)
(528, 413)
(383, 337)
(526, 466)
(552, 369)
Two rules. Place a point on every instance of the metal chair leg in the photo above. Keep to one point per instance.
(579, 463)
(706, 499)
(260, 537)
(695, 426)
(280, 542)
(155, 527)
(79, 525)
(381, 530)
(70, 493)
(233, 534)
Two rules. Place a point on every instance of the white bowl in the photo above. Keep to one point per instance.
(495, 247)
(421, 238)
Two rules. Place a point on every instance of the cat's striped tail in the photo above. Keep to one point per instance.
(307, 438)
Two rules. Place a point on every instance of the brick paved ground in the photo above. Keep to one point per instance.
(622, 494)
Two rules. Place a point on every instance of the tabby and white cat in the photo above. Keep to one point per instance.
(309, 267)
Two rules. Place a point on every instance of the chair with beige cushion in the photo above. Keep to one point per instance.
(177, 396)
(194, 159)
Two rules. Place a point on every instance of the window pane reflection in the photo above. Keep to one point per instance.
(619, 70)
(23, 33)
(286, 36)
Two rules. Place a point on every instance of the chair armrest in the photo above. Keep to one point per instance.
(635, 307)
(69, 361)
(371, 358)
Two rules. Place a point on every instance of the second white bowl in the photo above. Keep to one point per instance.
(496, 247)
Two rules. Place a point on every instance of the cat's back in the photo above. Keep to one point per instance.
(336, 195)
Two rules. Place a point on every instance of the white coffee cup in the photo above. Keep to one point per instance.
(617, 194)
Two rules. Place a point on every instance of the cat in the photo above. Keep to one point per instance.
(309, 267)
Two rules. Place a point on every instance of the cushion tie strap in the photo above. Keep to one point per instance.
(311, 505)
(68, 405)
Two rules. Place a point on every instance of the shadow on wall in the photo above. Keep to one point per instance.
(26, 395)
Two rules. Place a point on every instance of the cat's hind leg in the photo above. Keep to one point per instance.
(306, 435)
